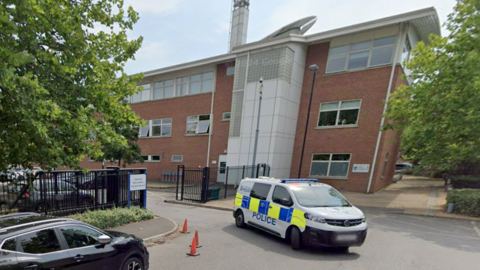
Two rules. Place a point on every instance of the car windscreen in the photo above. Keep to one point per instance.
(319, 196)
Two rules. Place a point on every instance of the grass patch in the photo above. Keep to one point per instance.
(104, 219)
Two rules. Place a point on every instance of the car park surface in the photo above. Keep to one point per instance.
(31, 241)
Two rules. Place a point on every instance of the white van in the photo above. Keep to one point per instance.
(301, 210)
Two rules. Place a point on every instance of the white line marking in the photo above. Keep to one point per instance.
(476, 229)
(156, 195)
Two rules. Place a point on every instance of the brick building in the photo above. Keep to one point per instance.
(205, 113)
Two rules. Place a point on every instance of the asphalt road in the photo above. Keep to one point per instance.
(393, 242)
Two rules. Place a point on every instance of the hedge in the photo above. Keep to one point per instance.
(465, 181)
(467, 201)
(104, 219)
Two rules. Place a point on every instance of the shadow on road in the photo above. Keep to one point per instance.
(271, 243)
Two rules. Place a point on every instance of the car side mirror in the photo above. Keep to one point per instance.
(104, 239)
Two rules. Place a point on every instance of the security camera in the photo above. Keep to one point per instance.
(261, 79)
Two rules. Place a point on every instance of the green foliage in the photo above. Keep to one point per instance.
(439, 112)
(467, 201)
(61, 80)
(129, 153)
(465, 181)
(104, 219)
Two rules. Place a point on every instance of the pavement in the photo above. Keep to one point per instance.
(412, 195)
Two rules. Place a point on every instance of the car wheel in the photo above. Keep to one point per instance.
(296, 238)
(87, 202)
(133, 263)
(240, 220)
(41, 207)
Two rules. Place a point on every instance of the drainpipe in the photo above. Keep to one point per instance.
(390, 84)
(211, 119)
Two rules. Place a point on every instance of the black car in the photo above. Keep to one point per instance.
(32, 241)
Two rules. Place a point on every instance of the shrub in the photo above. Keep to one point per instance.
(465, 181)
(467, 201)
(114, 217)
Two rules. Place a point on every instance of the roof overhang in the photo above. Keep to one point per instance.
(424, 20)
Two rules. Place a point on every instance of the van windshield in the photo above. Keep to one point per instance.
(319, 196)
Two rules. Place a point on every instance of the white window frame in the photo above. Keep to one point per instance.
(178, 160)
(330, 161)
(338, 110)
(200, 82)
(195, 120)
(349, 52)
(179, 82)
(162, 124)
(148, 129)
(230, 71)
(161, 86)
(144, 95)
(224, 118)
(149, 158)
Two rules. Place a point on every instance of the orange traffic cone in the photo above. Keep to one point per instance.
(184, 229)
(193, 249)
(197, 240)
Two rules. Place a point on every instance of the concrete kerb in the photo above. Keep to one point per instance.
(163, 236)
(200, 205)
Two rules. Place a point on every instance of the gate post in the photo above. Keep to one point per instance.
(205, 180)
(226, 184)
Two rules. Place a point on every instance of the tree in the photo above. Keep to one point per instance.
(129, 153)
(439, 112)
(61, 80)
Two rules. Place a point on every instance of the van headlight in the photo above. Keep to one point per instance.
(314, 218)
(364, 220)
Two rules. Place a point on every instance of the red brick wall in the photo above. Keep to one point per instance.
(370, 86)
(193, 148)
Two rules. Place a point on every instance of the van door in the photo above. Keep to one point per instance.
(259, 206)
(281, 209)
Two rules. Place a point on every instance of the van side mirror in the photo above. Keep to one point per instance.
(283, 201)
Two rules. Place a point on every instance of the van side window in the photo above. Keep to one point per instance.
(260, 191)
(281, 196)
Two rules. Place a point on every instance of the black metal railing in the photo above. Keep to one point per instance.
(65, 192)
(203, 184)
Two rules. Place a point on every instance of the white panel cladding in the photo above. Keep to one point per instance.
(282, 70)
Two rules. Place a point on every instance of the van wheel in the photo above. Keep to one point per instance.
(296, 238)
(240, 220)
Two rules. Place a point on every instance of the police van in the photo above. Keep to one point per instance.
(303, 211)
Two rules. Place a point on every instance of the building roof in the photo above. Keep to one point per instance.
(425, 21)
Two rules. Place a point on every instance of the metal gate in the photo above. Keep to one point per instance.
(192, 183)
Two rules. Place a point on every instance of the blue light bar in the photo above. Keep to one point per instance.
(298, 180)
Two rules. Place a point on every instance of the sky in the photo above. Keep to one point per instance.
(180, 31)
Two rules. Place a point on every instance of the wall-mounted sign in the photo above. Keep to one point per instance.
(214, 162)
(138, 182)
(361, 168)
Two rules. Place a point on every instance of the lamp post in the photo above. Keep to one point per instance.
(258, 124)
(313, 68)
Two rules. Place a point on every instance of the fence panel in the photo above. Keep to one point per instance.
(65, 192)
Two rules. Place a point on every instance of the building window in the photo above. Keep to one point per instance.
(143, 95)
(161, 127)
(341, 113)
(198, 124)
(361, 55)
(226, 116)
(145, 130)
(151, 158)
(163, 89)
(181, 87)
(230, 71)
(330, 165)
(201, 83)
(177, 158)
